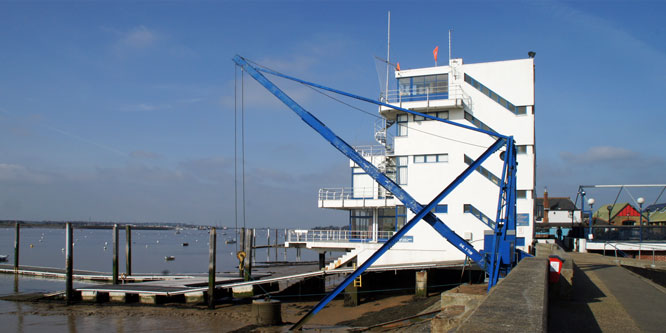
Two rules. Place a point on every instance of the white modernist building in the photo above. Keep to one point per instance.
(424, 156)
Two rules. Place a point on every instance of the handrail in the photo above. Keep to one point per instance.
(452, 91)
(354, 193)
(340, 235)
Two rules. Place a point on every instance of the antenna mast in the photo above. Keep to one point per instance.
(450, 31)
(388, 59)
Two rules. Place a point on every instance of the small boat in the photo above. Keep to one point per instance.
(230, 241)
(169, 258)
(186, 244)
(3, 257)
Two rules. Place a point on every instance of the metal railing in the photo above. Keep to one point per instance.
(629, 233)
(641, 247)
(353, 193)
(335, 235)
(425, 93)
(371, 150)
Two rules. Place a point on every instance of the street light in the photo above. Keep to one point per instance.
(590, 202)
(640, 201)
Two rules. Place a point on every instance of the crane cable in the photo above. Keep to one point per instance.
(365, 111)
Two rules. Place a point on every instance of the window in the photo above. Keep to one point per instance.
(521, 149)
(440, 114)
(483, 171)
(400, 217)
(441, 209)
(434, 158)
(494, 96)
(476, 122)
(521, 194)
(419, 88)
(402, 120)
(401, 165)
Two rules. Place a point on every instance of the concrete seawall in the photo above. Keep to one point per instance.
(519, 303)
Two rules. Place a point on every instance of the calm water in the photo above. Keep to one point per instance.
(149, 247)
(93, 249)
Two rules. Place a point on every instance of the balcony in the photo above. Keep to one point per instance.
(335, 236)
(355, 197)
(426, 97)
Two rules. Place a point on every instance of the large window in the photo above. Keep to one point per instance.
(401, 168)
(360, 222)
(402, 121)
(420, 88)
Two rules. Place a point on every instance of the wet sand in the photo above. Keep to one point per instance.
(56, 316)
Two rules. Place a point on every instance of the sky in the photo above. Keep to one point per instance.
(124, 111)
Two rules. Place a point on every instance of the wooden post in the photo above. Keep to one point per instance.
(211, 268)
(115, 254)
(268, 244)
(128, 250)
(284, 247)
(276, 244)
(247, 269)
(16, 246)
(69, 263)
(241, 239)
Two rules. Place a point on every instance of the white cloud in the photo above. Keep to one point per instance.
(600, 154)
(144, 107)
(139, 37)
(18, 173)
(142, 154)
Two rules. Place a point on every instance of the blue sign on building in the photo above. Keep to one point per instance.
(522, 220)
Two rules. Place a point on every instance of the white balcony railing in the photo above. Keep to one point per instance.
(297, 236)
(371, 150)
(354, 193)
(425, 93)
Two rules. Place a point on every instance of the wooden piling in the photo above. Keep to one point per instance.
(16, 246)
(285, 248)
(69, 263)
(248, 244)
(115, 254)
(276, 244)
(268, 243)
(128, 250)
(211, 268)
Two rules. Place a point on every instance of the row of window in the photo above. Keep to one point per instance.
(403, 119)
(478, 123)
(494, 96)
(434, 158)
(483, 171)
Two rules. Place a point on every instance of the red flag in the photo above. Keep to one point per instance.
(397, 66)
(434, 52)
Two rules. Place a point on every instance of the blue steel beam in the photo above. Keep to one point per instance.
(420, 211)
(424, 212)
(369, 100)
(370, 169)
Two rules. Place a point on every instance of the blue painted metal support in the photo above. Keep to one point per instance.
(508, 206)
(370, 169)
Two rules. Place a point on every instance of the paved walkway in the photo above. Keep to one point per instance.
(609, 298)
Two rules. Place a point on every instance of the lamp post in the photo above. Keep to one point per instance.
(590, 202)
(610, 208)
(640, 201)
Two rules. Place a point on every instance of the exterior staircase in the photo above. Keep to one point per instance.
(382, 134)
(342, 260)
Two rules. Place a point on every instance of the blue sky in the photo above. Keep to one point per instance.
(124, 111)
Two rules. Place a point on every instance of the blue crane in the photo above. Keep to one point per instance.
(499, 253)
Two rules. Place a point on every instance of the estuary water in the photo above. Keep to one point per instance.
(93, 251)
